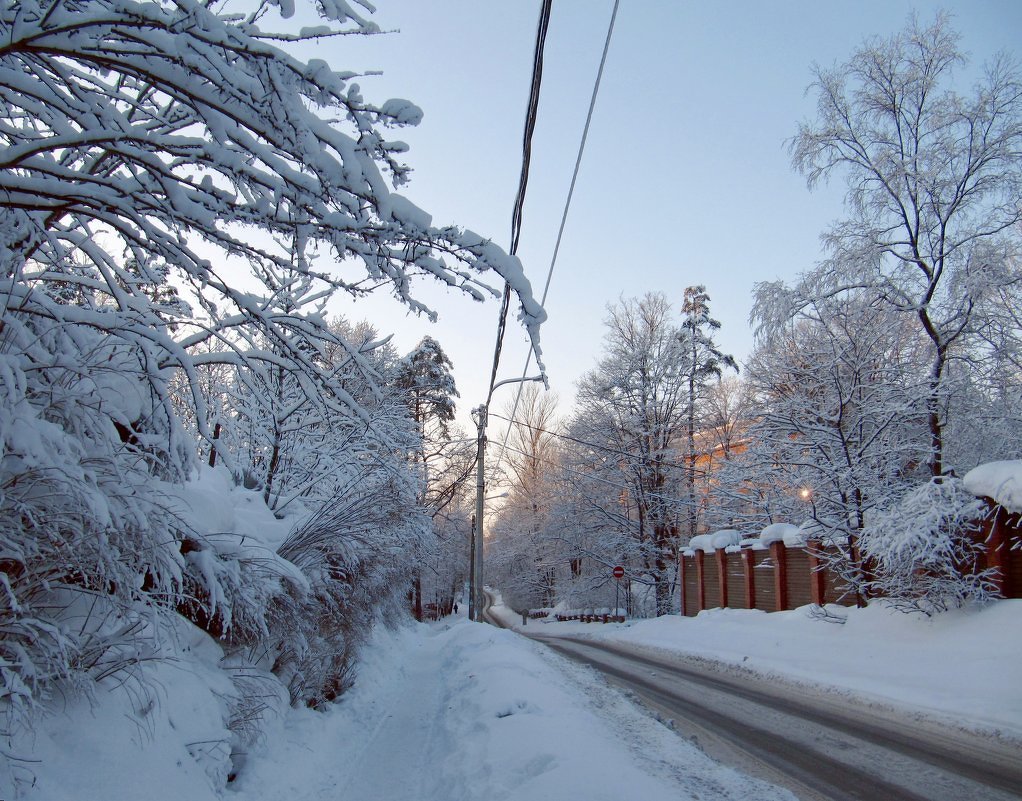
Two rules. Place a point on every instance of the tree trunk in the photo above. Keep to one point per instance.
(662, 538)
(933, 412)
(212, 445)
(271, 470)
(690, 479)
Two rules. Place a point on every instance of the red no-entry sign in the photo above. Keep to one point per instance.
(619, 572)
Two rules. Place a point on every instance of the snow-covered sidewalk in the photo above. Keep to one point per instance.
(961, 667)
(463, 712)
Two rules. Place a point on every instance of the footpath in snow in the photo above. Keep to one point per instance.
(960, 668)
(456, 711)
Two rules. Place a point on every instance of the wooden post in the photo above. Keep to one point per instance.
(721, 556)
(700, 584)
(779, 554)
(681, 584)
(749, 561)
(997, 551)
(817, 574)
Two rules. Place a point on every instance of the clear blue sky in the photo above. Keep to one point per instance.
(686, 177)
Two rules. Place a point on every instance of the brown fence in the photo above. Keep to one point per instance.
(771, 579)
(780, 578)
(1002, 533)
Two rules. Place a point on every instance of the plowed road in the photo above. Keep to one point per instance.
(818, 747)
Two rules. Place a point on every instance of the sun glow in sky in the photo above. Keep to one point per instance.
(686, 177)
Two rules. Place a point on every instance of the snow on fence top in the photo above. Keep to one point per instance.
(719, 539)
(999, 481)
(700, 542)
(791, 536)
(725, 537)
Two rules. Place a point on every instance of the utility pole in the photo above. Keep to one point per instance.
(472, 571)
(480, 414)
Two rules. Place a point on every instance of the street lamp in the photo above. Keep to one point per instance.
(479, 416)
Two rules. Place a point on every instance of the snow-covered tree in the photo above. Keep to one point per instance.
(635, 401)
(723, 436)
(522, 552)
(837, 412)
(178, 192)
(291, 447)
(985, 420)
(704, 361)
(934, 181)
(425, 376)
(920, 554)
(596, 522)
(142, 134)
(424, 384)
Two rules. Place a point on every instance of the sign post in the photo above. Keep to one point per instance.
(619, 573)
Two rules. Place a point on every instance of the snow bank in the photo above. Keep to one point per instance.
(958, 666)
(164, 739)
(999, 481)
(163, 724)
(211, 504)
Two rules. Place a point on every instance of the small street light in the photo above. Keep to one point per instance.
(479, 416)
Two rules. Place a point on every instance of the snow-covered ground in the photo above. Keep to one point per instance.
(961, 667)
(455, 710)
(440, 712)
(463, 712)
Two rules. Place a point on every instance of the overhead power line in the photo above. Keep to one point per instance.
(567, 206)
(670, 499)
(523, 179)
(594, 445)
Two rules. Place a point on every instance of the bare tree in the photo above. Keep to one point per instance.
(934, 182)
(636, 401)
(531, 446)
(525, 556)
(727, 414)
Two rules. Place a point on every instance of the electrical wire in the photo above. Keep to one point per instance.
(674, 501)
(576, 440)
(523, 179)
(567, 206)
(594, 445)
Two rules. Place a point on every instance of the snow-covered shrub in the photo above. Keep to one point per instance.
(84, 434)
(919, 553)
(355, 551)
(232, 583)
(260, 698)
(109, 182)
